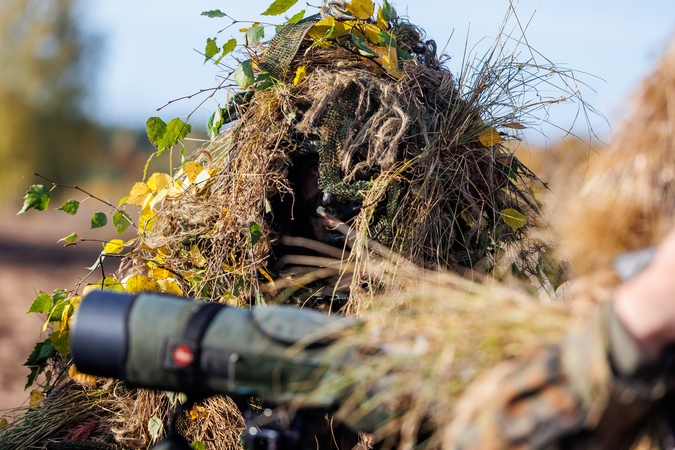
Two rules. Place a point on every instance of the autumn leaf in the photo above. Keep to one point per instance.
(490, 138)
(35, 398)
(514, 218)
(170, 287)
(299, 75)
(197, 257)
(114, 247)
(139, 193)
(328, 28)
(515, 126)
(140, 283)
(362, 9)
(146, 219)
(197, 412)
(191, 170)
(82, 378)
(158, 180)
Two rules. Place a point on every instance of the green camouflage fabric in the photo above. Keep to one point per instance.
(569, 396)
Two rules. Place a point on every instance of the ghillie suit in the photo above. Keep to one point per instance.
(420, 152)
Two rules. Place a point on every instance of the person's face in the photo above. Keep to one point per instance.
(321, 213)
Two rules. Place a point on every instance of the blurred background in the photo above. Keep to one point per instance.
(79, 78)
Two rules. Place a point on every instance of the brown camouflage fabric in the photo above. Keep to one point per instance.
(569, 396)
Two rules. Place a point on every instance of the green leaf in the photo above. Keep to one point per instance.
(98, 220)
(363, 48)
(213, 13)
(41, 353)
(243, 75)
(57, 311)
(34, 372)
(255, 34)
(69, 207)
(197, 445)
(279, 7)
(121, 221)
(122, 201)
(41, 304)
(514, 218)
(156, 128)
(37, 197)
(155, 427)
(297, 17)
(388, 11)
(266, 81)
(227, 49)
(61, 342)
(69, 240)
(214, 123)
(175, 131)
(212, 49)
(255, 233)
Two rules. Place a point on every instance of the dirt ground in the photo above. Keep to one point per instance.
(31, 260)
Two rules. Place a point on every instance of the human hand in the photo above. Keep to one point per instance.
(645, 305)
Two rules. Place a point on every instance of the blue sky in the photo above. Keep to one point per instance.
(148, 53)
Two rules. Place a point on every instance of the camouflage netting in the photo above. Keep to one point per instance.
(425, 154)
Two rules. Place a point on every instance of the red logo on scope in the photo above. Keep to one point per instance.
(182, 355)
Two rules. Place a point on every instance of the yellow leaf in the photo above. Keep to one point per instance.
(197, 257)
(139, 194)
(3, 422)
(389, 63)
(35, 398)
(147, 219)
(158, 180)
(329, 28)
(515, 126)
(299, 75)
(514, 218)
(373, 33)
(202, 178)
(380, 20)
(114, 247)
(197, 412)
(192, 169)
(264, 273)
(139, 283)
(82, 378)
(160, 274)
(170, 287)
(362, 9)
(243, 30)
(490, 138)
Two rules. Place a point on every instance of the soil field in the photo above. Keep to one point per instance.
(31, 261)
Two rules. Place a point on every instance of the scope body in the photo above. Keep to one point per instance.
(171, 343)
